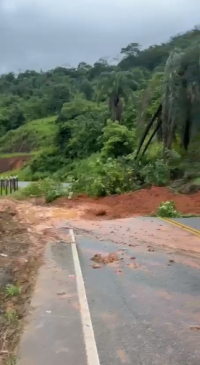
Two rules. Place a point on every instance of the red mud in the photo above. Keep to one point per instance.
(13, 163)
(142, 202)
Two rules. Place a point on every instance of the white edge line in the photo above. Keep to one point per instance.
(88, 332)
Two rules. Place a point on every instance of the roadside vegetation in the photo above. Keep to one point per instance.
(83, 125)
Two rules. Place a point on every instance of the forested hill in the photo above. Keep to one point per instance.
(32, 95)
(66, 116)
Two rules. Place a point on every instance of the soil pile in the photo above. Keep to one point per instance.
(142, 202)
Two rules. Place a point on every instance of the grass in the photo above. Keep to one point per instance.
(29, 138)
(13, 290)
(15, 154)
(11, 316)
(12, 360)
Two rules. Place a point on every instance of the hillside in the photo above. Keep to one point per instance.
(65, 119)
(30, 137)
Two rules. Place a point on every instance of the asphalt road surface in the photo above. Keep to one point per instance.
(143, 309)
(23, 184)
(146, 315)
(193, 222)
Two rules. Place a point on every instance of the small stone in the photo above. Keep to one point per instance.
(150, 249)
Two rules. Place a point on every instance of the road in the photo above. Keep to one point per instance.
(144, 315)
(142, 310)
(23, 184)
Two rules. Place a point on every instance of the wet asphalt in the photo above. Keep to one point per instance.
(53, 331)
(145, 308)
(146, 315)
(193, 222)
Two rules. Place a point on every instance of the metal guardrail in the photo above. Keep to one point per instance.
(8, 185)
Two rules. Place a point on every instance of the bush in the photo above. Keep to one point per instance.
(100, 179)
(156, 173)
(117, 140)
(47, 188)
(167, 209)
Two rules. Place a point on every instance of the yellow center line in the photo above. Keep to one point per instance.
(183, 226)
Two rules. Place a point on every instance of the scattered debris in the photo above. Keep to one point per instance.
(195, 328)
(107, 259)
(3, 255)
(171, 260)
(96, 266)
(150, 249)
(48, 312)
(132, 258)
(132, 266)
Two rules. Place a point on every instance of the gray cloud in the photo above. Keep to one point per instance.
(42, 34)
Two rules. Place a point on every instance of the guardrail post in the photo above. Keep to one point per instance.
(9, 185)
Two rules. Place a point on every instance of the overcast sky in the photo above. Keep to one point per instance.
(42, 34)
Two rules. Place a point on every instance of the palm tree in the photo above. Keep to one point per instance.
(117, 87)
(179, 110)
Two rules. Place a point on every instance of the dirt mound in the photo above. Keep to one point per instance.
(142, 202)
(13, 163)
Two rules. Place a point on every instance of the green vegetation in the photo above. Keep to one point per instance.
(47, 188)
(28, 138)
(168, 209)
(86, 125)
(12, 290)
(11, 316)
(12, 360)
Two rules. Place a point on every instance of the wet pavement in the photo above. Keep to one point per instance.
(144, 315)
(53, 334)
(193, 222)
(140, 231)
(145, 308)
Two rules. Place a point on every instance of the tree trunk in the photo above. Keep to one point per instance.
(116, 108)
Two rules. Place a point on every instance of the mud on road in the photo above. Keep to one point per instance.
(26, 227)
(138, 203)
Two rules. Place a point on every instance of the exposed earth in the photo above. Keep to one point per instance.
(13, 163)
(26, 228)
(139, 203)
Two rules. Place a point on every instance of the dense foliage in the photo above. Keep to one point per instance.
(84, 124)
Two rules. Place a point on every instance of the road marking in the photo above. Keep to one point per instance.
(183, 226)
(88, 332)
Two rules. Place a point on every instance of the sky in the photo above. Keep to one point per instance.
(43, 34)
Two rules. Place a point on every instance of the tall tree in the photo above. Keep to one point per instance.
(116, 87)
(179, 110)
